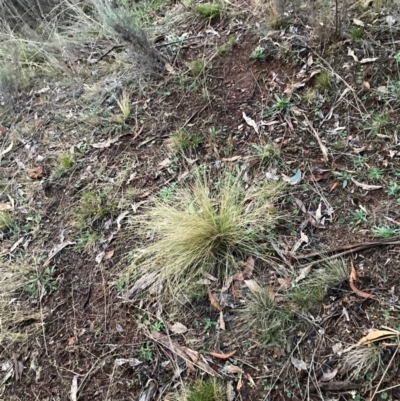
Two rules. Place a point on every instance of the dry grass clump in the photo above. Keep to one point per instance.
(207, 226)
(365, 359)
(13, 312)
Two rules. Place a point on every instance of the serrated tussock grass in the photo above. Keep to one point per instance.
(207, 227)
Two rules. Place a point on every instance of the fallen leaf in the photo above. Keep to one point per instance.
(334, 186)
(230, 392)
(214, 303)
(74, 388)
(221, 356)
(71, 340)
(328, 376)
(303, 273)
(36, 173)
(5, 207)
(368, 60)
(221, 321)
(105, 144)
(337, 348)
(3, 152)
(132, 362)
(358, 22)
(252, 285)
(354, 277)
(367, 85)
(317, 177)
(231, 369)
(56, 250)
(377, 335)
(250, 122)
(120, 218)
(178, 328)
(141, 284)
(109, 254)
(298, 363)
(351, 53)
(248, 271)
(231, 159)
(367, 187)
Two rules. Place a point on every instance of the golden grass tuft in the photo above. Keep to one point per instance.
(207, 227)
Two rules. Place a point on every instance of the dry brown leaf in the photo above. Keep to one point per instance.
(214, 303)
(334, 186)
(232, 369)
(328, 376)
(377, 335)
(5, 207)
(105, 144)
(36, 173)
(248, 271)
(221, 356)
(109, 254)
(354, 277)
(367, 85)
(187, 354)
(178, 328)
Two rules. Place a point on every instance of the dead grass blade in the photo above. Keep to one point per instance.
(187, 354)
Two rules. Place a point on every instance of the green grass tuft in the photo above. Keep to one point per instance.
(183, 140)
(5, 220)
(323, 81)
(209, 10)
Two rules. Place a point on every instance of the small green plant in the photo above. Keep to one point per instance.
(124, 104)
(359, 161)
(88, 241)
(267, 153)
(167, 193)
(146, 351)
(65, 163)
(393, 189)
(5, 220)
(93, 207)
(344, 177)
(375, 174)
(359, 216)
(41, 284)
(197, 68)
(307, 297)
(385, 231)
(309, 96)
(258, 54)
(157, 326)
(378, 124)
(208, 323)
(209, 10)
(282, 104)
(323, 81)
(228, 46)
(267, 319)
(203, 390)
(183, 140)
(357, 33)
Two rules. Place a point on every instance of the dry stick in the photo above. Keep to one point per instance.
(352, 248)
(323, 148)
(384, 373)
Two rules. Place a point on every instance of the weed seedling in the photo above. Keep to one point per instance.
(258, 54)
(375, 174)
(359, 216)
(208, 323)
(183, 140)
(394, 188)
(146, 351)
(197, 68)
(385, 231)
(281, 104)
(168, 193)
(266, 153)
(323, 81)
(357, 33)
(344, 177)
(378, 124)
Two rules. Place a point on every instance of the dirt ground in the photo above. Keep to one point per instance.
(108, 346)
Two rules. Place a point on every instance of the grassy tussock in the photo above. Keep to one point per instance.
(207, 227)
(13, 312)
